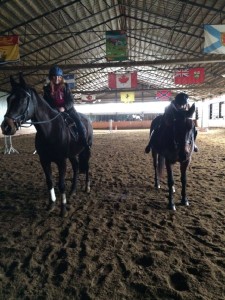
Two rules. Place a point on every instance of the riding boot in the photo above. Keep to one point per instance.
(81, 132)
(149, 146)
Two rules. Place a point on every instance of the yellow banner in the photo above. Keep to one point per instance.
(127, 97)
(9, 48)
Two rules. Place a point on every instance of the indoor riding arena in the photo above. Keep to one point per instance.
(112, 234)
(120, 241)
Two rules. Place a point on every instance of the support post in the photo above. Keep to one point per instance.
(8, 145)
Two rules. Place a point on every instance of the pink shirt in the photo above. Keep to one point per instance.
(58, 95)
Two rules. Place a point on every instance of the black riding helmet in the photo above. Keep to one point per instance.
(55, 71)
(181, 99)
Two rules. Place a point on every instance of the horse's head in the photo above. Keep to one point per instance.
(17, 106)
(181, 128)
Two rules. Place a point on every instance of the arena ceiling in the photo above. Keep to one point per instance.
(162, 35)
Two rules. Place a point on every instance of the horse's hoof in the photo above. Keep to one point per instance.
(173, 189)
(147, 149)
(158, 187)
(72, 195)
(63, 212)
(185, 202)
(172, 207)
(88, 190)
(51, 206)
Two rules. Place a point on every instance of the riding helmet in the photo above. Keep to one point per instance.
(55, 71)
(181, 99)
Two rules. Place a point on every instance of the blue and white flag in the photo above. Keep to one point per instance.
(214, 39)
(70, 79)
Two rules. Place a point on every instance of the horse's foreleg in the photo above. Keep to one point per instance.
(61, 184)
(46, 166)
(170, 182)
(74, 163)
(183, 169)
(87, 181)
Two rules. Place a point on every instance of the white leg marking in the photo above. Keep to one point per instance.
(63, 198)
(53, 197)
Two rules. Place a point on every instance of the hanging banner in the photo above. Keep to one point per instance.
(122, 81)
(116, 45)
(70, 79)
(127, 97)
(9, 48)
(189, 76)
(163, 95)
(214, 39)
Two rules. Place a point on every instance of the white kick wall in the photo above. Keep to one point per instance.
(211, 112)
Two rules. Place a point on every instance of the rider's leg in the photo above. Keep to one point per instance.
(151, 141)
(80, 127)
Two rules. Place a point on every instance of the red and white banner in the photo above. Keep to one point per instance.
(122, 81)
(189, 76)
(163, 95)
(88, 98)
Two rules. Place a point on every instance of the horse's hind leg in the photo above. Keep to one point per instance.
(84, 158)
(75, 165)
(46, 166)
(183, 169)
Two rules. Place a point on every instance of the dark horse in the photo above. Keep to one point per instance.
(173, 141)
(53, 142)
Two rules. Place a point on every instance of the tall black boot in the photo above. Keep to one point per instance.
(151, 141)
(81, 132)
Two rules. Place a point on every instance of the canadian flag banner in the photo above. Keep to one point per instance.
(88, 98)
(122, 81)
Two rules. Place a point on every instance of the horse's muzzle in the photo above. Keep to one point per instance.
(8, 126)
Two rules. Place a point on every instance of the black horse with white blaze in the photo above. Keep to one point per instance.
(54, 142)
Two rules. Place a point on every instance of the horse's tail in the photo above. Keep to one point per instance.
(84, 158)
(161, 165)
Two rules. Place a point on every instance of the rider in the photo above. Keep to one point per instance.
(180, 103)
(59, 96)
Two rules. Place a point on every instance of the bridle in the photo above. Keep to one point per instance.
(18, 120)
(21, 119)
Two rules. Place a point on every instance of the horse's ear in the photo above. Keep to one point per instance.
(12, 81)
(22, 81)
(191, 111)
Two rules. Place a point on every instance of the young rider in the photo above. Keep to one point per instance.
(59, 96)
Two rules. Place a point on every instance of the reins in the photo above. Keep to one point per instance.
(41, 122)
(22, 117)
